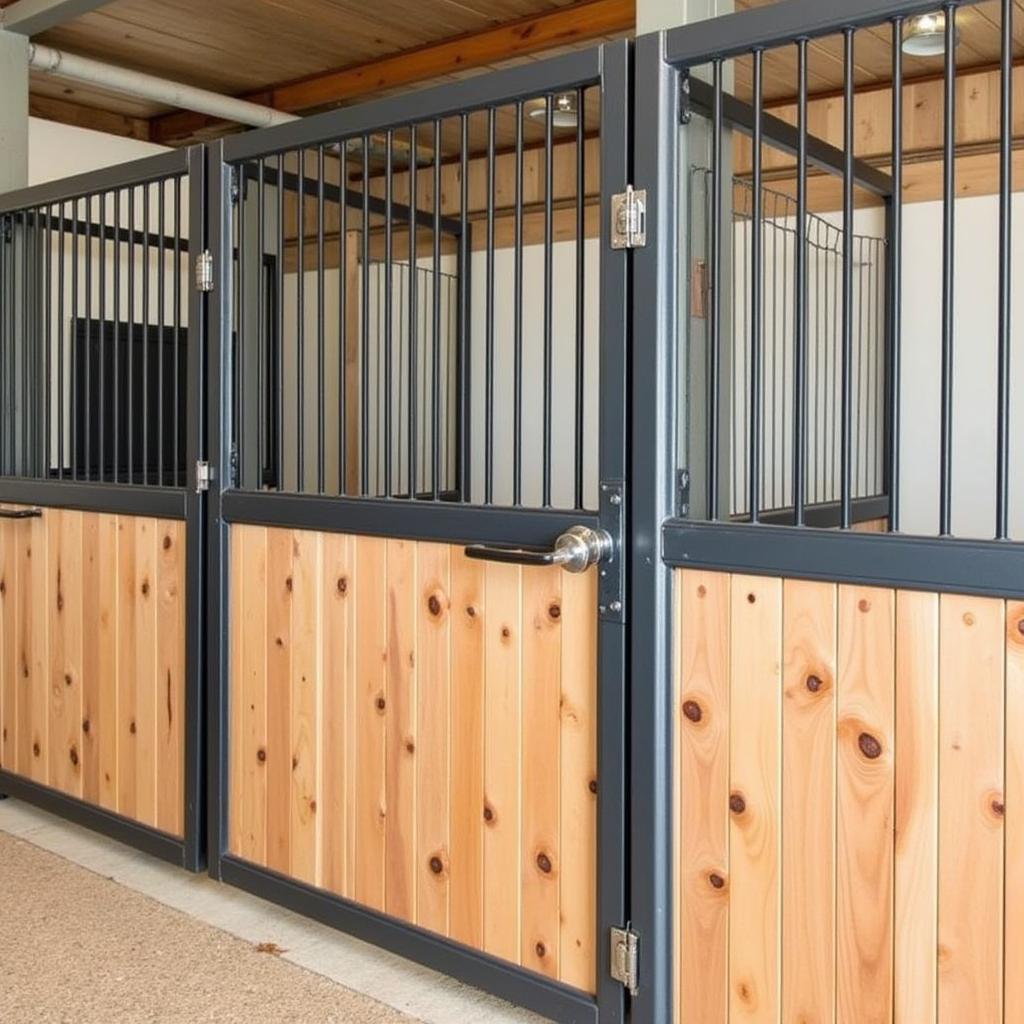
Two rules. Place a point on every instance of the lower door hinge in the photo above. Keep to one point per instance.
(204, 271)
(629, 219)
(204, 476)
(625, 958)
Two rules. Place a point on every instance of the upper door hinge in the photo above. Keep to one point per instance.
(625, 958)
(204, 476)
(685, 101)
(629, 219)
(204, 271)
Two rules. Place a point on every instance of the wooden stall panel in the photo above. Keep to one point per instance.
(454, 727)
(894, 841)
(92, 660)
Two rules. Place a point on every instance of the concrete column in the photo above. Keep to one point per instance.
(13, 111)
(654, 15)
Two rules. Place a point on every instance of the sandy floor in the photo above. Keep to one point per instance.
(76, 948)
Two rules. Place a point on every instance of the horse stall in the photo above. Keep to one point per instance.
(100, 534)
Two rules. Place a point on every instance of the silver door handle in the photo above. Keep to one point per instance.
(576, 550)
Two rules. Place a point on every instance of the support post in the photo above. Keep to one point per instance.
(13, 111)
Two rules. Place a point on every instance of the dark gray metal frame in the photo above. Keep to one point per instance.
(184, 503)
(607, 66)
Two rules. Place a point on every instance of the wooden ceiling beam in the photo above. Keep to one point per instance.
(564, 26)
(50, 108)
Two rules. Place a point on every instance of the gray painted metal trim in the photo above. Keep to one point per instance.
(782, 135)
(398, 517)
(135, 172)
(121, 829)
(505, 980)
(158, 502)
(30, 17)
(781, 24)
(994, 568)
(501, 87)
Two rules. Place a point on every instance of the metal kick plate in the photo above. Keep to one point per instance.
(611, 591)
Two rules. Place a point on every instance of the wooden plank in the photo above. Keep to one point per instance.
(754, 800)
(8, 648)
(170, 676)
(1014, 897)
(503, 626)
(144, 640)
(917, 806)
(541, 855)
(864, 804)
(433, 729)
(90, 583)
(970, 895)
(64, 539)
(306, 703)
(31, 664)
(468, 616)
(578, 773)
(808, 788)
(105, 718)
(279, 695)
(400, 745)
(554, 28)
(127, 675)
(371, 709)
(240, 841)
(338, 640)
(702, 813)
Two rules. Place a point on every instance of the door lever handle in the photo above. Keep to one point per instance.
(20, 513)
(576, 550)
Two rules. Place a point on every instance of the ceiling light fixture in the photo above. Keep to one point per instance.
(926, 35)
(564, 113)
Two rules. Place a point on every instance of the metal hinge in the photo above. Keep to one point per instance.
(204, 271)
(629, 219)
(204, 476)
(685, 106)
(625, 958)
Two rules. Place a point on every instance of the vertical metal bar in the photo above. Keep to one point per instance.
(413, 410)
(321, 379)
(435, 396)
(464, 379)
(549, 298)
(800, 313)
(489, 347)
(161, 297)
(388, 303)
(1005, 272)
(176, 476)
(48, 352)
(278, 388)
(116, 380)
(102, 366)
(145, 333)
(894, 353)
(846, 432)
(517, 321)
(61, 260)
(948, 281)
(132, 334)
(237, 277)
(343, 301)
(756, 312)
(87, 353)
(717, 219)
(581, 168)
(261, 326)
(73, 354)
(300, 324)
(364, 398)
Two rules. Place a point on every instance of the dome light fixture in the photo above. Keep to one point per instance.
(926, 35)
(564, 112)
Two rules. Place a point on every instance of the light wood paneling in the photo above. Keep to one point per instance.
(457, 725)
(92, 660)
(898, 851)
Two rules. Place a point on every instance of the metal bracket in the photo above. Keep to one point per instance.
(625, 958)
(629, 219)
(236, 191)
(204, 271)
(685, 106)
(683, 493)
(611, 591)
(204, 476)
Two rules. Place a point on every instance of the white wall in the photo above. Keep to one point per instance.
(59, 150)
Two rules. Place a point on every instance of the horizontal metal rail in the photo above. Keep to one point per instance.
(781, 24)
(502, 88)
(951, 565)
(80, 186)
(421, 520)
(158, 502)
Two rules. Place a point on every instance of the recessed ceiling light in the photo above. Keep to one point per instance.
(926, 35)
(563, 110)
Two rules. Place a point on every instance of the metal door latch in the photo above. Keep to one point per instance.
(629, 218)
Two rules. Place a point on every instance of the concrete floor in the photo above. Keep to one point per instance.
(424, 994)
